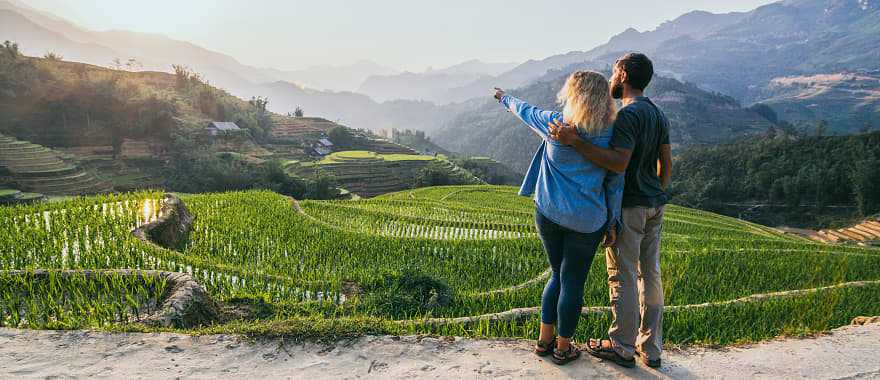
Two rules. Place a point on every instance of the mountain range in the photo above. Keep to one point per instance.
(39, 32)
(745, 55)
(433, 85)
(483, 128)
(750, 57)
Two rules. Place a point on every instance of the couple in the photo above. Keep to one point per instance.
(582, 196)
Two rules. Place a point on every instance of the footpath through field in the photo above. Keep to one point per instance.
(849, 352)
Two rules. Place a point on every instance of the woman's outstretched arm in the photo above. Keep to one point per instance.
(536, 118)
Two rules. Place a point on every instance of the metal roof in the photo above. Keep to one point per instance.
(325, 142)
(225, 126)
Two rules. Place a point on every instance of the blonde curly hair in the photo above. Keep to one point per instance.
(586, 102)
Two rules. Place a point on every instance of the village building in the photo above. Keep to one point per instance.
(322, 147)
(217, 127)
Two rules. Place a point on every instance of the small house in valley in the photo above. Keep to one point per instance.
(322, 147)
(321, 152)
(217, 127)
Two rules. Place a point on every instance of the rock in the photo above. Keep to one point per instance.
(172, 229)
(865, 320)
(187, 304)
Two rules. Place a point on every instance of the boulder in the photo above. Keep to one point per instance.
(172, 229)
(186, 304)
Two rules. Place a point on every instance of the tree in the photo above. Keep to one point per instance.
(432, 175)
(298, 112)
(821, 128)
(867, 128)
(133, 64)
(52, 56)
(341, 136)
(185, 78)
(262, 116)
(16, 74)
(116, 141)
(765, 111)
(323, 186)
(866, 184)
(260, 103)
(10, 49)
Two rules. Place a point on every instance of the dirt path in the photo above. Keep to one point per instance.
(852, 352)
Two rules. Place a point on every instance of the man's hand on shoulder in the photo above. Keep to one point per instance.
(564, 133)
(614, 159)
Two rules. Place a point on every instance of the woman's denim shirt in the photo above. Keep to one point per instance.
(568, 189)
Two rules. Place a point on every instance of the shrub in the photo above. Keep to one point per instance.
(405, 293)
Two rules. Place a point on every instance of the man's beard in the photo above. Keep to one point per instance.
(616, 90)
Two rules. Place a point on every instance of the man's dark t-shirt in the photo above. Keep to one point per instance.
(642, 127)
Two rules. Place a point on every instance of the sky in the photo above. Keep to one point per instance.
(404, 34)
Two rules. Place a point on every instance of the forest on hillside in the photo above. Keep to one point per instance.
(56, 103)
(60, 104)
(814, 181)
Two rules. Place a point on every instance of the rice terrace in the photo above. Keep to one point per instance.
(338, 268)
(304, 189)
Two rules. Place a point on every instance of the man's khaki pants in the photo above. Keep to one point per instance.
(634, 284)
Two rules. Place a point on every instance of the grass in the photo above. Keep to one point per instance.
(477, 240)
(355, 155)
(368, 173)
(69, 302)
(349, 155)
(406, 157)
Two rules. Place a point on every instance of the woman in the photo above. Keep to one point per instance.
(575, 202)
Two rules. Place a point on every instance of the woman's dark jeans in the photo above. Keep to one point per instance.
(570, 254)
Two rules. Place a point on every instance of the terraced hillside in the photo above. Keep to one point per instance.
(14, 197)
(300, 128)
(867, 232)
(382, 146)
(368, 173)
(847, 101)
(379, 266)
(35, 168)
(295, 135)
(122, 175)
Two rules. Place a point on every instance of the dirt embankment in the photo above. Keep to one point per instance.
(849, 352)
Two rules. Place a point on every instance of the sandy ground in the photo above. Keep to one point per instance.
(851, 352)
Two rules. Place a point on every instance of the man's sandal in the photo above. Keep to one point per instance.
(543, 349)
(563, 358)
(597, 348)
(652, 363)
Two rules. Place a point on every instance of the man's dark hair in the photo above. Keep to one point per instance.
(639, 69)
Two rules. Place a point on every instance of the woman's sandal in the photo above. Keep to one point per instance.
(543, 349)
(563, 358)
(596, 347)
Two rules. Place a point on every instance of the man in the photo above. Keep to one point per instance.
(639, 146)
